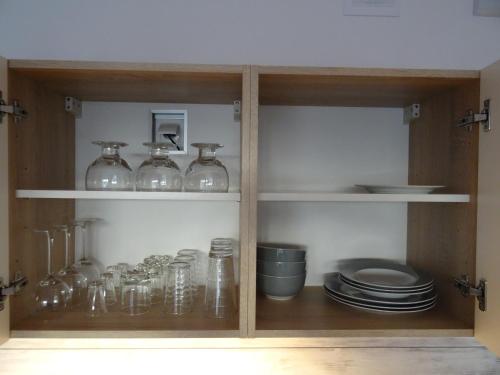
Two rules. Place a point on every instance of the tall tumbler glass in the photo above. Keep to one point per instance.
(178, 295)
(96, 298)
(191, 260)
(220, 292)
(108, 280)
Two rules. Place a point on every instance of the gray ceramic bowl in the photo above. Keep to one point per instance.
(280, 288)
(276, 252)
(281, 268)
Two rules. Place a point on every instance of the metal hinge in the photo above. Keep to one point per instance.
(472, 118)
(467, 289)
(14, 109)
(14, 287)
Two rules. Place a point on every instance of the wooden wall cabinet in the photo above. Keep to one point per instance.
(441, 230)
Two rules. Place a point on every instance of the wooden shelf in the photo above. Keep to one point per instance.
(311, 313)
(361, 197)
(115, 324)
(127, 195)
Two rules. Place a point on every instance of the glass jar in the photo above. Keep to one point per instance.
(109, 171)
(206, 174)
(159, 172)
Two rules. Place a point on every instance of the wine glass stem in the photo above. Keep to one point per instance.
(84, 241)
(50, 242)
(67, 236)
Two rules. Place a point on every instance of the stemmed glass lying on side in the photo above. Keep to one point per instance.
(75, 280)
(51, 293)
(84, 265)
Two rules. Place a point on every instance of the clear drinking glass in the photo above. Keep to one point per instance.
(191, 260)
(220, 292)
(84, 265)
(201, 264)
(178, 294)
(159, 172)
(156, 279)
(136, 296)
(206, 174)
(75, 280)
(116, 271)
(107, 279)
(51, 293)
(96, 299)
(109, 171)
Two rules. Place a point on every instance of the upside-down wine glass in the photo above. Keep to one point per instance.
(76, 281)
(51, 293)
(84, 265)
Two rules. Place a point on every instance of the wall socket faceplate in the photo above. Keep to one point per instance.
(170, 126)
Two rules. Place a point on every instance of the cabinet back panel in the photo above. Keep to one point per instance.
(132, 230)
(332, 149)
(442, 237)
(41, 157)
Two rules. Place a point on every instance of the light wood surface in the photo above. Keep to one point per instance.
(123, 66)
(116, 83)
(231, 343)
(252, 217)
(328, 361)
(361, 197)
(127, 195)
(41, 157)
(4, 201)
(155, 324)
(442, 238)
(487, 325)
(367, 72)
(312, 313)
(245, 200)
(356, 90)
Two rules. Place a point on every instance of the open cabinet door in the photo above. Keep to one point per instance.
(4, 202)
(487, 323)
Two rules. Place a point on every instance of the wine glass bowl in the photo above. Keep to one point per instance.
(159, 172)
(109, 171)
(206, 173)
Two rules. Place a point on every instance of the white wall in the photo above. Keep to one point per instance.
(428, 34)
(132, 230)
(332, 149)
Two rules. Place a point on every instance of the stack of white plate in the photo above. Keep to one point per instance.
(382, 286)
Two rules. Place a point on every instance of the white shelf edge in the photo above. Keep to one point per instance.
(127, 195)
(361, 197)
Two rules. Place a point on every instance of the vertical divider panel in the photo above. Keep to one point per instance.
(245, 200)
(4, 203)
(254, 186)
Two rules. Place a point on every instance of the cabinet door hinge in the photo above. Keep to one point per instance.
(14, 109)
(468, 289)
(472, 118)
(14, 287)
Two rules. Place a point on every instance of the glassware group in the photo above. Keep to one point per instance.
(174, 282)
(159, 172)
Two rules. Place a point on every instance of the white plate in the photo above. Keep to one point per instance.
(400, 189)
(385, 294)
(335, 286)
(383, 275)
(373, 308)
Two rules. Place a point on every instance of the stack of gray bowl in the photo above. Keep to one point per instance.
(281, 270)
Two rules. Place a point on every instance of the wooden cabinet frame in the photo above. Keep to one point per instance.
(444, 94)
